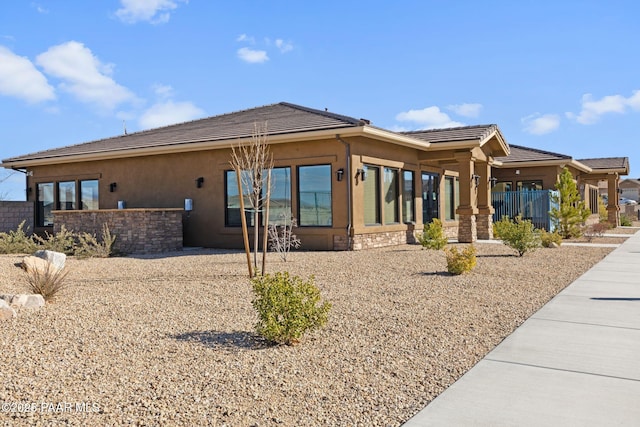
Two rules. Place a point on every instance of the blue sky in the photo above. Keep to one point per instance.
(561, 76)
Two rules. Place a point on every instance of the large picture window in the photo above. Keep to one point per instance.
(531, 185)
(314, 196)
(67, 195)
(408, 196)
(89, 195)
(279, 206)
(44, 202)
(390, 191)
(371, 195)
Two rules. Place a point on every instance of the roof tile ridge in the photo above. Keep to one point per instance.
(537, 150)
(488, 126)
(348, 119)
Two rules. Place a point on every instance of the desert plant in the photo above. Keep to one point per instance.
(287, 307)
(572, 212)
(520, 234)
(48, 281)
(625, 221)
(89, 246)
(460, 262)
(432, 236)
(17, 241)
(547, 239)
(282, 239)
(63, 241)
(603, 214)
(596, 230)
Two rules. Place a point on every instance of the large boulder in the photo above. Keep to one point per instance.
(58, 259)
(34, 263)
(6, 311)
(27, 301)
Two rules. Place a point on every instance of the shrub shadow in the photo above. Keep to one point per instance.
(436, 273)
(229, 340)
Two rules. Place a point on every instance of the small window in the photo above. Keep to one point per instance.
(501, 187)
(67, 195)
(89, 194)
(391, 196)
(44, 202)
(530, 185)
(408, 196)
(451, 197)
(314, 196)
(371, 195)
(280, 201)
(232, 202)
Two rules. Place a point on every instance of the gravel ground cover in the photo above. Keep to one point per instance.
(168, 340)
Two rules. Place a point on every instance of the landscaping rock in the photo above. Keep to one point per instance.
(33, 263)
(6, 297)
(27, 301)
(6, 311)
(58, 259)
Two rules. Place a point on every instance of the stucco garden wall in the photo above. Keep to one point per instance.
(136, 230)
(13, 213)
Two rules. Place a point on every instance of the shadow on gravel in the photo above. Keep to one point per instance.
(218, 340)
(435, 273)
(514, 255)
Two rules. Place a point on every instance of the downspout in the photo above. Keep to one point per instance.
(349, 197)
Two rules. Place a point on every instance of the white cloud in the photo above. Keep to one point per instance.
(153, 11)
(39, 8)
(169, 112)
(284, 46)
(163, 91)
(429, 118)
(592, 109)
(246, 38)
(252, 56)
(466, 110)
(84, 76)
(21, 79)
(538, 124)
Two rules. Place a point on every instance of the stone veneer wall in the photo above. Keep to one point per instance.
(13, 213)
(379, 240)
(136, 230)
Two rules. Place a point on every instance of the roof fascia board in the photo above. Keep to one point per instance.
(539, 163)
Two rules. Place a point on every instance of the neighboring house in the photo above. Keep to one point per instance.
(350, 185)
(532, 169)
(630, 189)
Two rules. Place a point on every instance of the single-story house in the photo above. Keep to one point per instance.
(527, 168)
(349, 184)
(630, 189)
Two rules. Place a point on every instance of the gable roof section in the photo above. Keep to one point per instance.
(285, 122)
(608, 164)
(463, 137)
(526, 154)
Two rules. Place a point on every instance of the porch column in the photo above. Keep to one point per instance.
(484, 218)
(467, 211)
(613, 207)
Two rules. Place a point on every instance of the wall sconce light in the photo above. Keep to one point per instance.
(112, 187)
(517, 171)
(362, 174)
(494, 181)
(476, 178)
(619, 190)
(339, 174)
(199, 182)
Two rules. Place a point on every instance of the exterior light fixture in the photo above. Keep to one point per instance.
(363, 174)
(517, 171)
(476, 178)
(112, 187)
(339, 174)
(199, 182)
(494, 181)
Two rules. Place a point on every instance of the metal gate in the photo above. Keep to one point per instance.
(533, 205)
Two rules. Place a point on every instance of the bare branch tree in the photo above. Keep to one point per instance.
(253, 163)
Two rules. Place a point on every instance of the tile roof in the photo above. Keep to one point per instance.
(281, 118)
(607, 163)
(526, 154)
(463, 133)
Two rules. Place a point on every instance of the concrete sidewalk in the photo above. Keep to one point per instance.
(576, 362)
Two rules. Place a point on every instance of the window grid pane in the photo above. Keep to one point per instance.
(89, 195)
(371, 195)
(67, 195)
(390, 190)
(314, 196)
(45, 204)
(408, 196)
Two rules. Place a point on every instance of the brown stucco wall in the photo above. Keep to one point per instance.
(136, 230)
(13, 213)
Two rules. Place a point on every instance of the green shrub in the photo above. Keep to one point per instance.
(460, 262)
(625, 221)
(63, 241)
(571, 212)
(520, 235)
(47, 282)
(432, 236)
(287, 307)
(17, 242)
(547, 239)
(89, 246)
(603, 214)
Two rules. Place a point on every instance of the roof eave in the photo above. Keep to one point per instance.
(541, 163)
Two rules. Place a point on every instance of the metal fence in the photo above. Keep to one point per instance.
(533, 205)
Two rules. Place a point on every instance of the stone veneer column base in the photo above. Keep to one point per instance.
(467, 232)
(484, 226)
